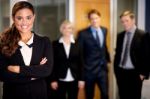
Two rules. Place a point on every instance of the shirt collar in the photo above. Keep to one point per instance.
(94, 29)
(71, 39)
(28, 43)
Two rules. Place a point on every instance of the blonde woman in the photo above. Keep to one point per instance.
(67, 75)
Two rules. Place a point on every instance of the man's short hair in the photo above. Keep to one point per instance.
(128, 13)
(93, 11)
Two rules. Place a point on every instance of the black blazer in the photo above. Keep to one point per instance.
(94, 55)
(41, 48)
(135, 51)
(62, 63)
(146, 53)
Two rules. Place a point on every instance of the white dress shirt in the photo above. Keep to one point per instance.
(69, 76)
(26, 51)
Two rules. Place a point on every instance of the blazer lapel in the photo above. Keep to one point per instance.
(34, 48)
(19, 57)
(121, 40)
(63, 50)
(134, 39)
(71, 50)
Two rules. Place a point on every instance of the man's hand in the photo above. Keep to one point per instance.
(81, 84)
(142, 77)
(54, 85)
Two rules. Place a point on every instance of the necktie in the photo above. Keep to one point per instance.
(97, 39)
(126, 51)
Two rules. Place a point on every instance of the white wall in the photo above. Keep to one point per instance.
(141, 14)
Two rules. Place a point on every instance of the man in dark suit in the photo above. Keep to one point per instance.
(93, 43)
(128, 66)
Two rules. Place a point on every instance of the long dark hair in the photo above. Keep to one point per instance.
(9, 39)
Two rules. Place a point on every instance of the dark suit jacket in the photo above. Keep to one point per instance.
(95, 57)
(41, 48)
(62, 63)
(135, 51)
(146, 53)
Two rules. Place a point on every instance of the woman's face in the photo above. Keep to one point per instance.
(24, 20)
(66, 30)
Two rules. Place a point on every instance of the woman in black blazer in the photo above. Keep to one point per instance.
(67, 76)
(25, 58)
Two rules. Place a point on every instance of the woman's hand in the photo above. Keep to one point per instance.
(81, 84)
(54, 85)
(43, 61)
(14, 69)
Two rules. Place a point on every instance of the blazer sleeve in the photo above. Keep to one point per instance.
(7, 76)
(81, 64)
(145, 54)
(54, 75)
(80, 42)
(39, 71)
(106, 48)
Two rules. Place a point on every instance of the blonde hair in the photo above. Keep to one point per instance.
(126, 13)
(64, 23)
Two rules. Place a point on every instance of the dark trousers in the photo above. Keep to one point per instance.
(129, 84)
(34, 90)
(102, 82)
(66, 90)
(52, 94)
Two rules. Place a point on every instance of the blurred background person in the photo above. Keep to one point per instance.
(129, 69)
(96, 56)
(67, 76)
